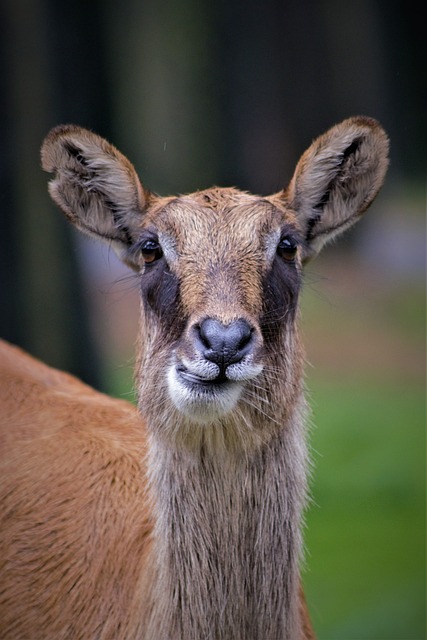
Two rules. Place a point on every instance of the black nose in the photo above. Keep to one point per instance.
(224, 344)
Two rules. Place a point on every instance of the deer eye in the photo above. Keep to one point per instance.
(287, 249)
(151, 251)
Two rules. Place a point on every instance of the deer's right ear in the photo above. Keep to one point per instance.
(96, 187)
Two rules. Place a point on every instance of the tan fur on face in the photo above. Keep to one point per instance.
(219, 237)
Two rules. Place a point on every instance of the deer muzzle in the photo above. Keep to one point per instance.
(224, 358)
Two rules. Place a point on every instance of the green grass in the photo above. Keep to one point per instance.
(365, 576)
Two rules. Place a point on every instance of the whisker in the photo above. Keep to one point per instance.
(131, 280)
(257, 407)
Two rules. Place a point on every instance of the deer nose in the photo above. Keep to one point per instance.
(224, 344)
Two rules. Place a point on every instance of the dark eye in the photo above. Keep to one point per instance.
(287, 249)
(151, 251)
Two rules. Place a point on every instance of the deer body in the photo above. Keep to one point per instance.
(182, 522)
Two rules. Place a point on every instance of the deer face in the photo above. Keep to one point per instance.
(220, 270)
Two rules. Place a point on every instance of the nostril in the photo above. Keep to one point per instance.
(209, 334)
(202, 335)
(246, 337)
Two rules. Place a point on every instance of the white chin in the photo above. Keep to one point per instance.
(202, 403)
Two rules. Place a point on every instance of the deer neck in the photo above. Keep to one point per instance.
(227, 539)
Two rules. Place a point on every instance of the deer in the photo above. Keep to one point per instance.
(181, 518)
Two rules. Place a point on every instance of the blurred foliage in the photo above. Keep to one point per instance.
(365, 535)
(366, 527)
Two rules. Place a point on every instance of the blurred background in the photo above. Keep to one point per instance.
(196, 92)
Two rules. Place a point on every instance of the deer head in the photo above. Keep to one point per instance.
(220, 273)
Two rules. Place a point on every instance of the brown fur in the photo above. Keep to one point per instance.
(186, 525)
(74, 501)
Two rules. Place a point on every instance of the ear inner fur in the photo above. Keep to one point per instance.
(96, 186)
(336, 180)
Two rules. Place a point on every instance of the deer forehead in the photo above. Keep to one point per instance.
(218, 225)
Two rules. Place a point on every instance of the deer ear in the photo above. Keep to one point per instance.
(336, 180)
(96, 187)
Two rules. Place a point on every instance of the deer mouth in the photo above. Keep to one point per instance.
(192, 379)
(200, 398)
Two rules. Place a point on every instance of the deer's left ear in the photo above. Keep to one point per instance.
(336, 180)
